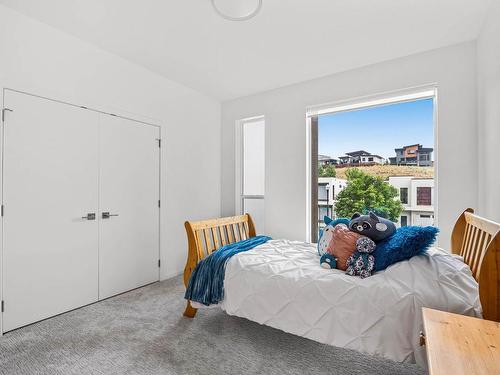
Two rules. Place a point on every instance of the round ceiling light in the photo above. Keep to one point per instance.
(237, 10)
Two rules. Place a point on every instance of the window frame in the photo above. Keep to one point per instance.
(313, 112)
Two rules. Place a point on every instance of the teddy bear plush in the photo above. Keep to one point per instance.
(362, 262)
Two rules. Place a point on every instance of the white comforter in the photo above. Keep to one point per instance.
(281, 284)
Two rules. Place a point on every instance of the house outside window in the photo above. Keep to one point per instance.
(413, 209)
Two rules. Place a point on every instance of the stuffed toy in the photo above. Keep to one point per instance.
(326, 234)
(362, 262)
(324, 240)
(374, 227)
(342, 245)
(328, 261)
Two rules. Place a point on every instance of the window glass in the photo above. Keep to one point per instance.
(254, 158)
(403, 195)
(393, 143)
(322, 192)
(424, 196)
(404, 221)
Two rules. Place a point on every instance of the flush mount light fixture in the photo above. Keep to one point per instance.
(237, 10)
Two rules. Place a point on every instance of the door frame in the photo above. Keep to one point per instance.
(4, 116)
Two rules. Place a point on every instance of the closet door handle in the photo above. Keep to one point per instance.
(90, 216)
(107, 215)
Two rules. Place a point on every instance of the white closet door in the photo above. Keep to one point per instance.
(129, 189)
(50, 259)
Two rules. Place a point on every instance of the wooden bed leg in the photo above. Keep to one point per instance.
(190, 311)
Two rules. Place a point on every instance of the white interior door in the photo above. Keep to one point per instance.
(129, 192)
(50, 259)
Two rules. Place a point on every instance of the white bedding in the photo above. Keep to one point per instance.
(281, 284)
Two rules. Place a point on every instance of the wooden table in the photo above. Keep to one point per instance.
(458, 344)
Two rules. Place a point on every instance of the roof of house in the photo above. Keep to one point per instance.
(324, 157)
(420, 148)
(358, 153)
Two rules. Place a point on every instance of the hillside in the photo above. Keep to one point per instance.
(385, 171)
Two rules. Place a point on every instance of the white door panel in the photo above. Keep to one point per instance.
(129, 188)
(50, 254)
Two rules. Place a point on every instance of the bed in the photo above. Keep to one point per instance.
(280, 284)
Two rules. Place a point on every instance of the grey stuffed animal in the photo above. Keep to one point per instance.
(372, 226)
(362, 262)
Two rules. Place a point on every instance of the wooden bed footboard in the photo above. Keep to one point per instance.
(477, 240)
(204, 237)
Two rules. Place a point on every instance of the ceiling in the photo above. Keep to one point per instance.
(288, 42)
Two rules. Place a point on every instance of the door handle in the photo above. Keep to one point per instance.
(107, 215)
(90, 216)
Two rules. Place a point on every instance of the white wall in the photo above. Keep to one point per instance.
(488, 63)
(453, 69)
(39, 59)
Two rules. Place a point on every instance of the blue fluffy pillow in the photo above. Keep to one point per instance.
(404, 244)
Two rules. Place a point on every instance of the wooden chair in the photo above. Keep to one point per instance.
(477, 240)
(204, 237)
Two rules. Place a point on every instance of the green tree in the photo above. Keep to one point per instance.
(365, 193)
(326, 171)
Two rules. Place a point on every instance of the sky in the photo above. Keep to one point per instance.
(378, 130)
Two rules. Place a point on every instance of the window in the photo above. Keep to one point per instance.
(322, 192)
(403, 195)
(322, 212)
(252, 170)
(425, 219)
(404, 220)
(388, 144)
(424, 196)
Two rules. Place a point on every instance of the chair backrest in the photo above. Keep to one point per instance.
(477, 240)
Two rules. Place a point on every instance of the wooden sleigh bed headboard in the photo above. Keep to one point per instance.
(477, 240)
(204, 237)
(474, 238)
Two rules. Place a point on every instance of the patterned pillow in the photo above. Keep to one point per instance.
(342, 245)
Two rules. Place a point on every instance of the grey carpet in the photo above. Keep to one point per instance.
(143, 332)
